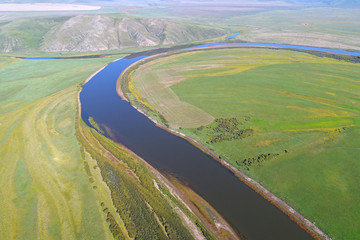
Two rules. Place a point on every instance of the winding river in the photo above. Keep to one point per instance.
(246, 211)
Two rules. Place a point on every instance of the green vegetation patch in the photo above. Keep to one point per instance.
(225, 129)
(45, 191)
(24, 81)
(28, 33)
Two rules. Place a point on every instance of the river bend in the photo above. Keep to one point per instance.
(245, 210)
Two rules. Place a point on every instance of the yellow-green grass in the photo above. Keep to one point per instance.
(45, 191)
(303, 110)
(156, 90)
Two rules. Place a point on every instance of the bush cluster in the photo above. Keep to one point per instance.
(247, 163)
(228, 136)
(227, 129)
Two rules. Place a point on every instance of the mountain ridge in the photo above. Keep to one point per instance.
(90, 33)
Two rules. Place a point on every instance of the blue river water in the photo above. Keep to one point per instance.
(271, 45)
(41, 58)
(232, 36)
(274, 45)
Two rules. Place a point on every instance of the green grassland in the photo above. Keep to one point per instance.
(161, 97)
(288, 119)
(45, 191)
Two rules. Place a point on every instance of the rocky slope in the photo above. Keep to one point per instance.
(85, 33)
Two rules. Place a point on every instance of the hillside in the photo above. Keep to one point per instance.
(84, 33)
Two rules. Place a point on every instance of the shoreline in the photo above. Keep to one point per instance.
(295, 216)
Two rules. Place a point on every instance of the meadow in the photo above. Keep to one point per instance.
(45, 191)
(288, 119)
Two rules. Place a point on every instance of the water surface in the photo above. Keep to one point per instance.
(41, 58)
(274, 45)
(232, 36)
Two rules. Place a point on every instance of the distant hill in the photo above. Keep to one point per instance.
(86, 33)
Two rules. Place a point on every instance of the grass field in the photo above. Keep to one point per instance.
(45, 191)
(288, 119)
(161, 97)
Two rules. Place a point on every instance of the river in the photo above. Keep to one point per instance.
(246, 211)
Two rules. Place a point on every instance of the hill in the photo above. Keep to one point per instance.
(85, 33)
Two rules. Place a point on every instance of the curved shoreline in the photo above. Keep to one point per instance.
(295, 216)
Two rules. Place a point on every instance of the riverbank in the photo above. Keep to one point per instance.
(295, 216)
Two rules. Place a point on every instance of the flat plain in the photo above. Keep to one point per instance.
(288, 119)
(45, 191)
